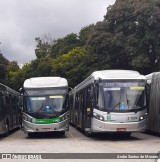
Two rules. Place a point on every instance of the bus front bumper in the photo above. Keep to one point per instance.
(52, 127)
(101, 126)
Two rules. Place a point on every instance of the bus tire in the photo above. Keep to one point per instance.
(30, 134)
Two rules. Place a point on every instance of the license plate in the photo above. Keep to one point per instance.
(46, 129)
(121, 129)
(133, 118)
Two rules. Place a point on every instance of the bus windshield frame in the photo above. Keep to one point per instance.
(122, 95)
(47, 102)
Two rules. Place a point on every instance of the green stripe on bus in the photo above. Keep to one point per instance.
(47, 121)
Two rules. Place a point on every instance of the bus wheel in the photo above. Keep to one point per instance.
(30, 134)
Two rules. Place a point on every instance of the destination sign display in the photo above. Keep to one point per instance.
(122, 84)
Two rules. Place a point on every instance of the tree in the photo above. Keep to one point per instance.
(64, 45)
(139, 22)
(76, 65)
(84, 34)
(3, 68)
(109, 49)
(44, 67)
(13, 66)
(43, 47)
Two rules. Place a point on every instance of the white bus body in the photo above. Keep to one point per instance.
(45, 105)
(110, 101)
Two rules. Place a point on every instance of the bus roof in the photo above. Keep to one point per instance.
(110, 74)
(44, 82)
(117, 74)
(7, 89)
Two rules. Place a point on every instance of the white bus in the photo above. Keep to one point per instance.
(109, 101)
(153, 122)
(45, 105)
(9, 111)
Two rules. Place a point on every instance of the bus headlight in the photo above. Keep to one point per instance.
(143, 117)
(27, 118)
(65, 116)
(99, 117)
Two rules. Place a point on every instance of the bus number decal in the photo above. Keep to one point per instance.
(108, 117)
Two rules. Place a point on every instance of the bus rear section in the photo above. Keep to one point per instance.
(110, 101)
(45, 105)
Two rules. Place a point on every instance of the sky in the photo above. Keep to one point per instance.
(21, 21)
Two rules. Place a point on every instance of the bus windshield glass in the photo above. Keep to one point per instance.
(49, 101)
(44, 104)
(122, 96)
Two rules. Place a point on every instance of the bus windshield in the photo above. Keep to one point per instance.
(122, 96)
(44, 104)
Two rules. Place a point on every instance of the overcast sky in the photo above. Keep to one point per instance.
(21, 21)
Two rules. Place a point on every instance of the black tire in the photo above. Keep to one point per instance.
(30, 134)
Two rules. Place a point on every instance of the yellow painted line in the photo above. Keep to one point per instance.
(75, 139)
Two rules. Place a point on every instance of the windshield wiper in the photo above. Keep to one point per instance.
(113, 107)
(133, 106)
(39, 109)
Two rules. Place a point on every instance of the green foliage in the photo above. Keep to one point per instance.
(3, 68)
(146, 17)
(84, 34)
(75, 65)
(108, 48)
(64, 45)
(43, 48)
(130, 31)
(13, 66)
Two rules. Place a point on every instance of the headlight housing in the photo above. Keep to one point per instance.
(65, 116)
(142, 117)
(27, 118)
(97, 116)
